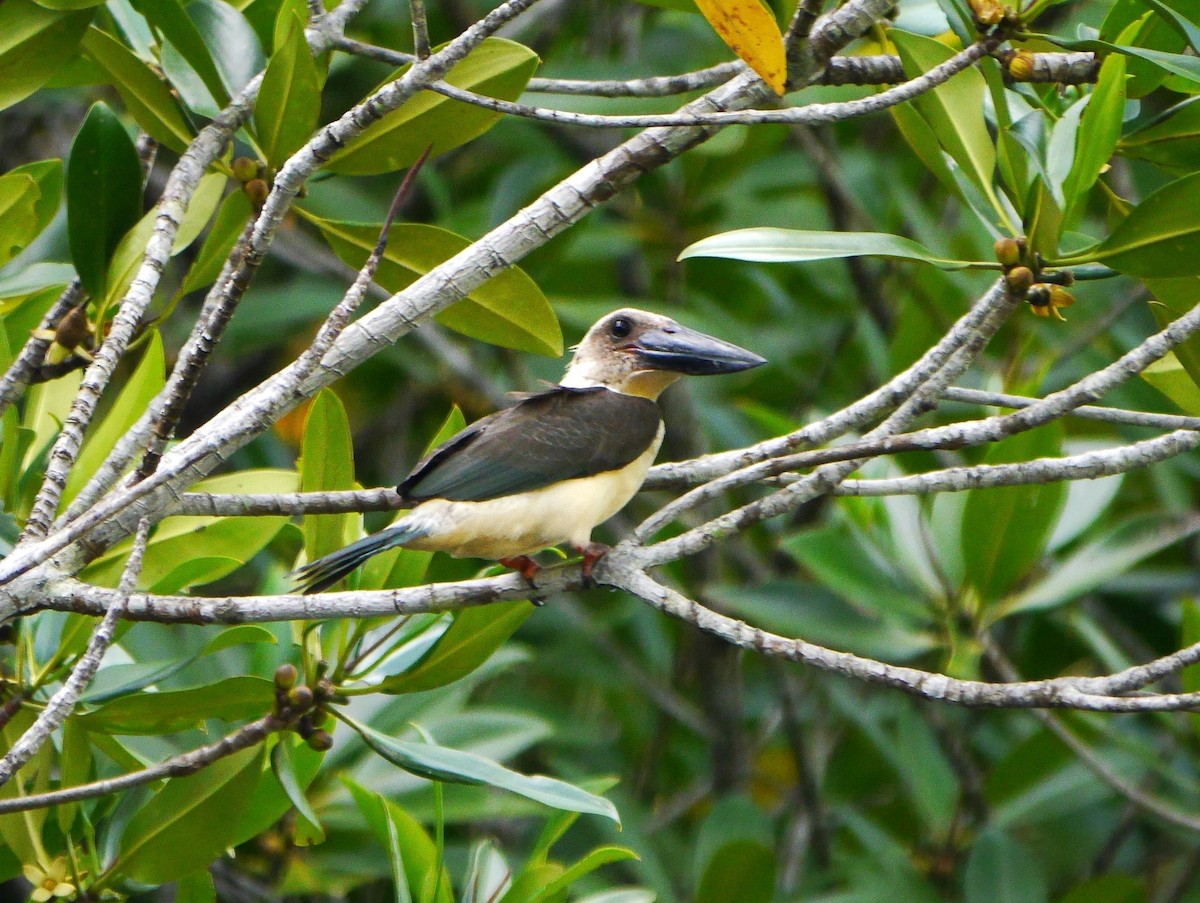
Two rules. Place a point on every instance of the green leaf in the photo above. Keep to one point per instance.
(183, 34)
(48, 174)
(230, 40)
(270, 802)
(76, 768)
(1171, 140)
(953, 110)
(285, 773)
(240, 635)
(326, 463)
(1098, 132)
(1000, 870)
(473, 635)
(1182, 26)
(1111, 554)
(771, 245)
(231, 219)
(1160, 236)
(189, 551)
(440, 763)
(742, 870)
(18, 213)
(68, 4)
(196, 888)
(1006, 528)
(289, 101)
(1169, 377)
(135, 397)
(148, 100)
(1110, 888)
(169, 711)
(508, 310)
(1186, 67)
(104, 195)
(187, 825)
(1129, 23)
(34, 44)
(595, 859)
(497, 68)
(386, 819)
(1172, 299)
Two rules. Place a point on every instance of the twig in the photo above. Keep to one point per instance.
(177, 766)
(22, 370)
(420, 27)
(62, 703)
(1120, 416)
(1090, 760)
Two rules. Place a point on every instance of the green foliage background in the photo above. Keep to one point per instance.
(735, 777)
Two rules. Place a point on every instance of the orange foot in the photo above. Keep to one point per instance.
(523, 564)
(592, 553)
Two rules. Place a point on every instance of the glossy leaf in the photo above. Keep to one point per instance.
(1160, 237)
(169, 711)
(1098, 132)
(285, 774)
(1108, 888)
(1169, 377)
(18, 213)
(184, 37)
(196, 888)
(231, 219)
(147, 98)
(289, 100)
(1172, 298)
(740, 870)
(1186, 67)
(143, 385)
(187, 825)
(1112, 553)
(1171, 140)
(953, 110)
(597, 858)
(386, 819)
(1005, 529)
(440, 763)
(1131, 23)
(190, 551)
(497, 68)
(1000, 870)
(750, 30)
(270, 801)
(35, 43)
(104, 195)
(327, 463)
(508, 310)
(771, 245)
(473, 635)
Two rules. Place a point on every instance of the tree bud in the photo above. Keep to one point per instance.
(321, 741)
(1021, 66)
(1008, 252)
(245, 169)
(286, 676)
(257, 190)
(300, 697)
(74, 329)
(1019, 280)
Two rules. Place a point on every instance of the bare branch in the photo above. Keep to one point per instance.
(62, 703)
(22, 370)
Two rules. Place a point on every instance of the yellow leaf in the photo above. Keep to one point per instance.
(751, 32)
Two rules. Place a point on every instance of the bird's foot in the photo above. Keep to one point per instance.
(592, 552)
(524, 565)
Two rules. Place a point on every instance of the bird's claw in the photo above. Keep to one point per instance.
(592, 553)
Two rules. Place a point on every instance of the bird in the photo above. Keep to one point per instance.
(549, 469)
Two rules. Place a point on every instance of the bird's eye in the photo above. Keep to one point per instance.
(620, 327)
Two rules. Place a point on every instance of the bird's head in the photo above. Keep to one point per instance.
(639, 353)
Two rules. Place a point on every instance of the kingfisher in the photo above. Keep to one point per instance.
(548, 470)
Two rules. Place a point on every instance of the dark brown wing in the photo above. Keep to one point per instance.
(561, 434)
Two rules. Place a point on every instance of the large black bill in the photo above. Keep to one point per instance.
(683, 350)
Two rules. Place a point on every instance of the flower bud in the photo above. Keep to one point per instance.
(286, 676)
(1008, 252)
(321, 741)
(257, 190)
(245, 169)
(1021, 65)
(300, 697)
(1019, 280)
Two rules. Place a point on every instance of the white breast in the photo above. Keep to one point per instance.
(530, 521)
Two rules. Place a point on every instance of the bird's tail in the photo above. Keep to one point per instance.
(325, 572)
